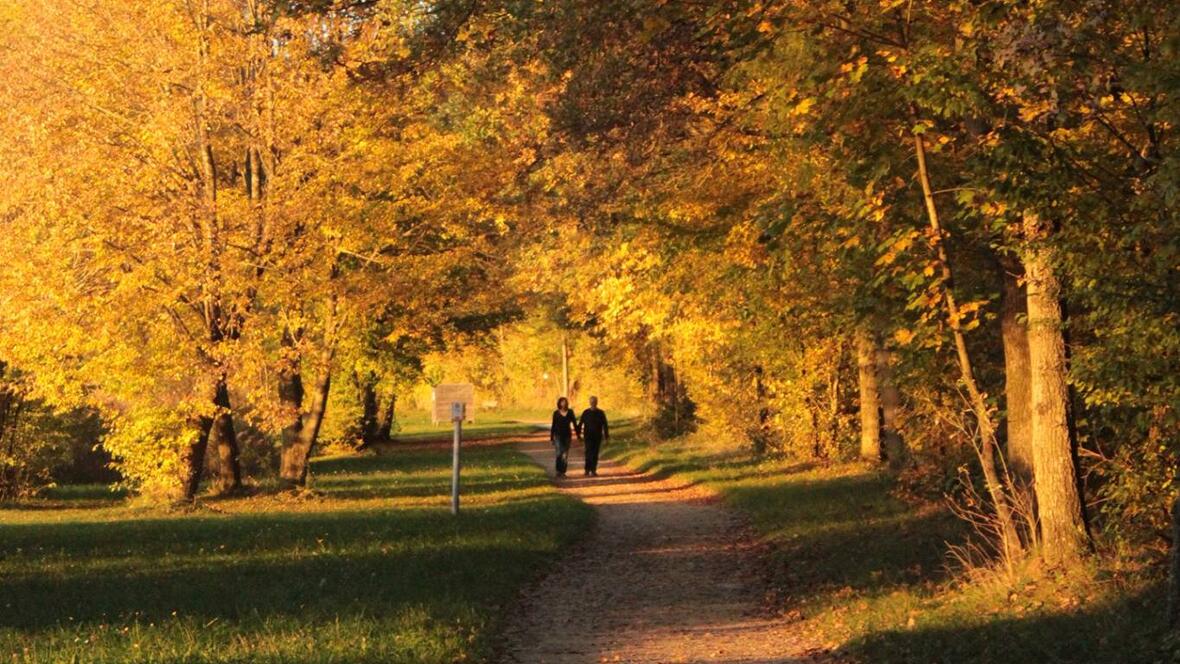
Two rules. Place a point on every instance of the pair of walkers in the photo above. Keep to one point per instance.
(591, 428)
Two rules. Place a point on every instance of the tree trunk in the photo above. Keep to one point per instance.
(1017, 376)
(291, 399)
(1174, 575)
(193, 458)
(385, 432)
(7, 398)
(295, 457)
(1010, 543)
(870, 423)
(368, 426)
(834, 399)
(228, 456)
(296, 460)
(1064, 538)
(762, 434)
(891, 441)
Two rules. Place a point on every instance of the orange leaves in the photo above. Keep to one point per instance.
(742, 246)
(899, 245)
(855, 70)
(903, 336)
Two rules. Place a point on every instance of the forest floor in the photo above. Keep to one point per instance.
(866, 574)
(669, 574)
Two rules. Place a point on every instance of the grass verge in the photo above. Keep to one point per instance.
(372, 569)
(415, 426)
(866, 574)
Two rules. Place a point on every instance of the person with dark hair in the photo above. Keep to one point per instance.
(561, 433)
(593, 430)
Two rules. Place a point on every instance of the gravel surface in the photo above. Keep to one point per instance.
(668, 575)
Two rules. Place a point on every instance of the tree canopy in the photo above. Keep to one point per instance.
(940, 235)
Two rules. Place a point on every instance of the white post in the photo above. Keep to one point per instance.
(456, 417)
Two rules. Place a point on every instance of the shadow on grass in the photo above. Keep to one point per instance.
(70, 496)
(832, 530)
(847, 533)
(307, 565)
(872, 571)
(1129, 631)
(251, 568)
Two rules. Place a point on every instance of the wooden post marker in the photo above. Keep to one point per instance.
(458, 413)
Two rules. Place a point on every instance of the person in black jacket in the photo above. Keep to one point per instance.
(594, 430)
(561, 433)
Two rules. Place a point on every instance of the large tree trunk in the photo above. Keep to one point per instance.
(1064, 538)
(1010, 543)
(866, 371)
(891, 440)
(1017, 375)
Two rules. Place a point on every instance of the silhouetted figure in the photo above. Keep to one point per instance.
(561, 433)
(594, 431)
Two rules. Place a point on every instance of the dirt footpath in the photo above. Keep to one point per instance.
(667, 576)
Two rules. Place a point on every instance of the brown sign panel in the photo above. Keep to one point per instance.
(449, 393)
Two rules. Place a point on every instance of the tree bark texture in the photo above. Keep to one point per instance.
(368, 426)
(193, 457)
(1064, 538)
(892, 442)
(295, 461)
(870, 404)
(228, 453)
(1017, 374)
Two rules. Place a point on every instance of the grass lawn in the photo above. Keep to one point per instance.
(415, 425)
(866, 574)
(374, 569)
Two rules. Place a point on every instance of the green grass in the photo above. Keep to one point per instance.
(373, 569)
(415, 425)
(866, 573)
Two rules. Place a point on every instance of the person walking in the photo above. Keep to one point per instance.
(594, 430)
(561, 433)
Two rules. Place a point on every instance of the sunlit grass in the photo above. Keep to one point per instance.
(868, 574)
(415, 425)
(370, 568)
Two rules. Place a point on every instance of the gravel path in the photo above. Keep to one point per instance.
(667, 576)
